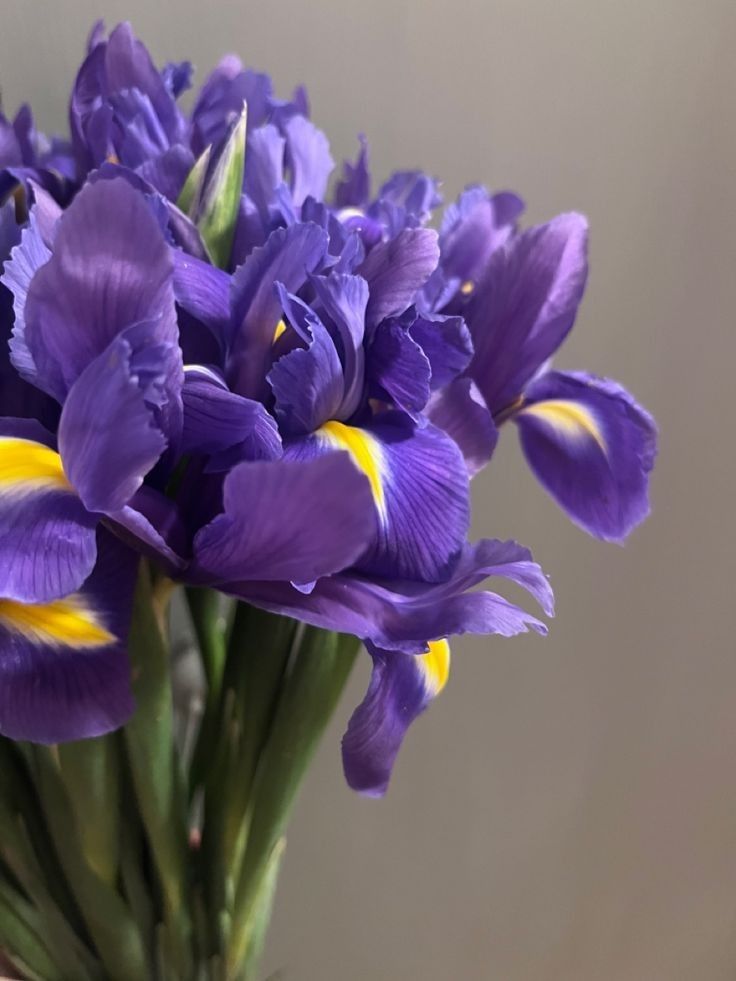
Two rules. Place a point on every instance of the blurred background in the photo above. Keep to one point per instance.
(567, 809)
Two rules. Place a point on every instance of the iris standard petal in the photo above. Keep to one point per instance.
(287, 520)
(354, 187)
(64, 671)
(472, 229)
(111, 268)
(308, 159)
(396, 270)
(447, 344)
(525, 305)
(288, 257)
(47, 537)
(592, 447)
(401, 688)
(397, 368)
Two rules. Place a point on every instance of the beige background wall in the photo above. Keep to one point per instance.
(568, 808)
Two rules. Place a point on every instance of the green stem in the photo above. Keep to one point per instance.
(149, 741)
(308, 698)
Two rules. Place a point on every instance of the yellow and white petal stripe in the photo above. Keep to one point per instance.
(68, 622)
(26, 464)
(366, 453)
(567, 418)
(435, 666)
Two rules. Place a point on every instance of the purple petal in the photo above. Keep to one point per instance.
(223, 426)
(446, 343)
(344, 299)
(25, 261)
(287, 520)
(396, 270)
(203, 291)
(108, 438)
(406, 615)
(473, 228)
(401, 688)
(111, 268)
(289, 256)
(64, 671)
(354, 188)
(525, 306)
(308, 159)
(47, 537)
(398, 368)
(592, 447)
(460, 411)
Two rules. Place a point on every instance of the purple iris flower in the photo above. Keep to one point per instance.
(588, 441)
(298, 428)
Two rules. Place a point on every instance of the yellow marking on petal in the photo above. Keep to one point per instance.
(366, 453)
(467, 287)
(436, 665)
(112, 158)
(25, 462)
(568, 417)
(280, 328)
(68, 622)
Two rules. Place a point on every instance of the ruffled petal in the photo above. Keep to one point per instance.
(401, 688)
(592, 447)
(64, 671)
(287, 520)
(398, 369)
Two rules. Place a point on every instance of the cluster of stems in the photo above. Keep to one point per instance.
(140, 855)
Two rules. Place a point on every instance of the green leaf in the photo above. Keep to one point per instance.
(218, 211)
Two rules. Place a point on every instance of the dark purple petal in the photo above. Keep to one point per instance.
(592, 447)
(168, 171)
(460, 411)
(401, 688)
(111, 268)
(25, 261)
(287, 520)
(398, 369)
(343, 300)
(447, 344)
(223, 426)
(289, 256)
(203, 291)
(396, 270)
(64, 671)
(525, 305)
(108, 437)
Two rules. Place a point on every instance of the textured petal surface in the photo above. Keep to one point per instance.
(396, 270)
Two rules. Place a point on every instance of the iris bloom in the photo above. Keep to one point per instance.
(297, 426)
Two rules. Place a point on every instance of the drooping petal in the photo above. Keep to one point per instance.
(287, 520)
(396, 270)
(111, 268)
(592, 447)
(224, 426)
(419, 486)
(108, 437)
(64, 671)
(401, 688)
(289, 256)
(459, 410)
(47, 537)
(525, 305)
(403, 615)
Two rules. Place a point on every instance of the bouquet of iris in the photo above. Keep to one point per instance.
(223, 381)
